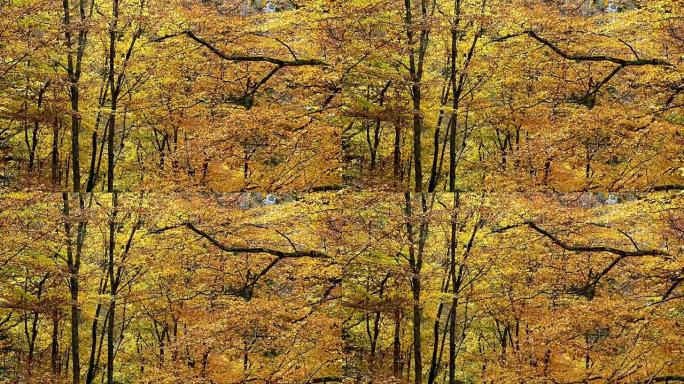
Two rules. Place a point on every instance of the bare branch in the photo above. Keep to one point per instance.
(241, 58)
(577, 57)
(588, 289)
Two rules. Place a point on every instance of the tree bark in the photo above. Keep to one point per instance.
(113, 289)
(416, 60)
(74, 265)
(396, 361)
(416, 249)
(54, 347)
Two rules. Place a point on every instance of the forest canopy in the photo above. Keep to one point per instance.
(324, 191)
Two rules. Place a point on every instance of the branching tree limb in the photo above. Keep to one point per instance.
(589, 99)
(241, 58)
(247, 99)
(588, 289)
(579, 57)
(252, 278)
(663, 379)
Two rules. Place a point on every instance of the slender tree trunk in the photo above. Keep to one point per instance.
(456, 279)
(454, 308)
(74, 75)
(397, 150)
(54, 155)
(416, 60)
(54, 345)
(36, 126)
(456, 89)
(396, 361)
(434, 365)
(113, 289)
(75, 131)
(113, 88)
(74, 264)
(90, 376)
(452, 342)
(34, 324)
(416, 249)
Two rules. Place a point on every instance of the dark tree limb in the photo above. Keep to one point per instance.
(589, 99)
(668, 187)
(327, 379)
(247, 99)
(237, 249)
(241, 58)
(579, 57)
(584, 248)
(662, 379)
(247, 288)
(587, 290)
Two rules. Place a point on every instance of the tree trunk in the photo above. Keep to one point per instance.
(416, 60)
(90, 376)
(396, 361)
(416, 249)
(54, 155)
(113, 289)
(74, 264)
(54, 349)
(113, 88)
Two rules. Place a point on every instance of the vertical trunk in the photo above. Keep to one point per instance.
(416, 249)
(456, 287)
(93, 157)
(434, 365)
(113, 88)
(375, 334)
(93, 169)
(36, 127)
(33, 335)
(74, 264)
(113, 289)
(452, 343)
(417, 129)
(417, 315)
(74, 74)
(437, 159)
(409, 353)
(75, 131)
(98, 354)
(397, 150)
(432, 184)
(458, 281)
(90, 376)
(415, 292)
(377, 130)
(54, 155)
(54, 350)
(416, 60)
(32, 343)
(396, 361)
(456, 89)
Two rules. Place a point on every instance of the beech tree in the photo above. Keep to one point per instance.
(317, 191)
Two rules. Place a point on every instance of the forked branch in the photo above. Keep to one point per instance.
(588, 289)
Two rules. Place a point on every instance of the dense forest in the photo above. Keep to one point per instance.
(341, 191)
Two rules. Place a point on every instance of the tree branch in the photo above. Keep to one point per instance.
(588, 289)
(577, 57)
(662, 379)
(242, 58)
(247, 288)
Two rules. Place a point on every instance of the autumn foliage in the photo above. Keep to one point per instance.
(360, 191)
